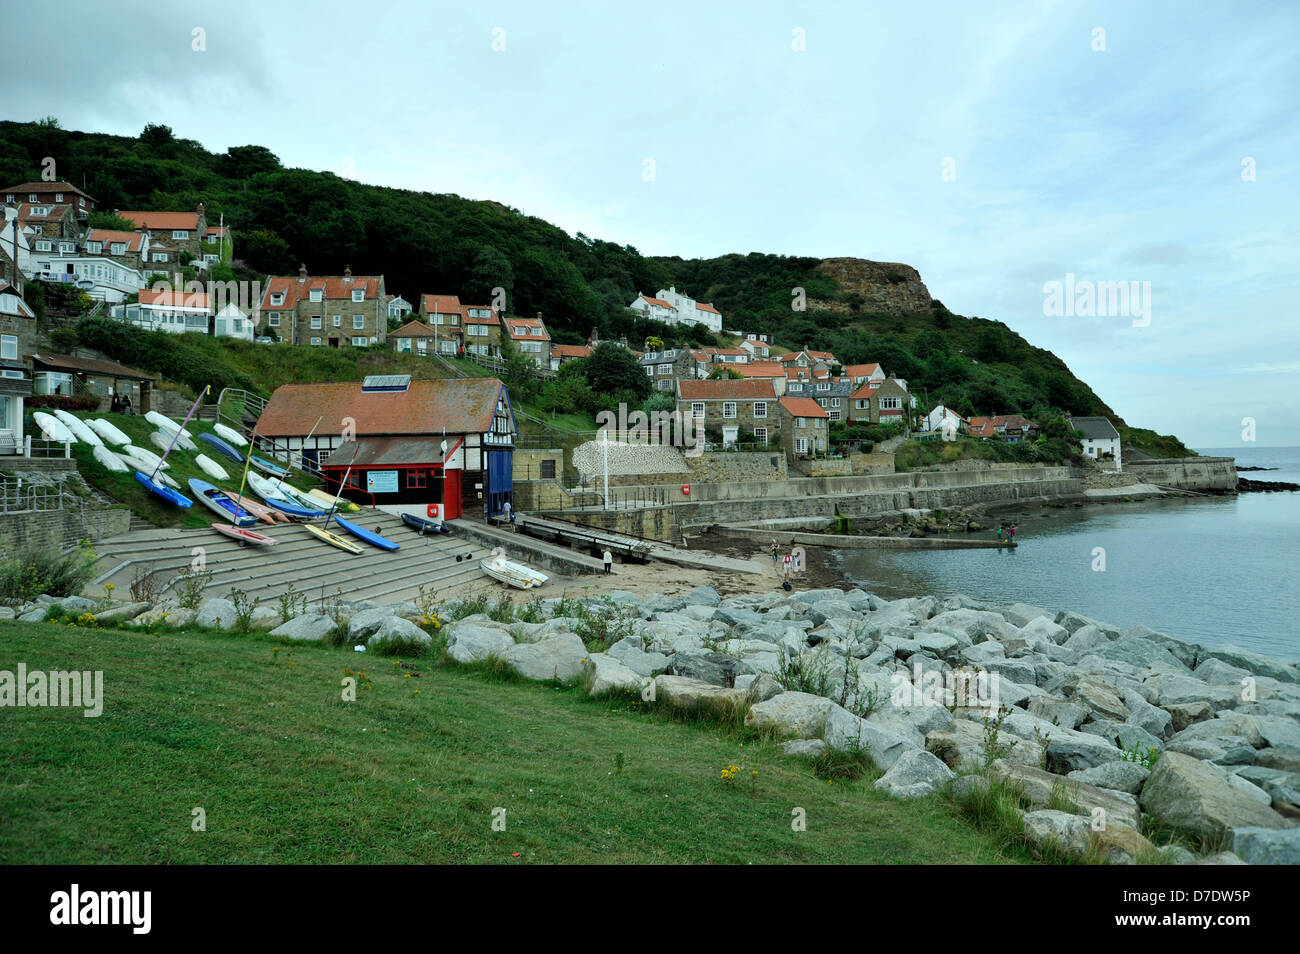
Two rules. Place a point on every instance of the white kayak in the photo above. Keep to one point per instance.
(110, 460)
(230, 435)
(146, 468)
(148, 456)
(52, 429)
(163, 441)
(78, 428)
(165, 423)
(107, 431)
(211, 467)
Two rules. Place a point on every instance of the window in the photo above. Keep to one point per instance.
(891, 404)
(359, 341)
(548, 469)
(416, 479)
(801, 445)
(9, 347)
(277, 298)
(181, 234)
(315, 322)
(94, 248)
(338, 321)
(795, 387)
(315, 341)
(32, 197)
(118, 248)
(358, 294)
(358, 322)
(665, 369)
(649, 371)
(697, 410)
(823, 385)
(835, 402)
(65, 248)
(862, 404)
(835, 415)
(81, 202)
(10, 198)
(274, 321)
(728, 409)
(160, 256)
(43, 245)
(58, 197)
(316, 294)
(760, 435)
(665, 385)
(760, 409)
(801, 422)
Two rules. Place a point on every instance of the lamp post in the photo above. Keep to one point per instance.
(605, 444)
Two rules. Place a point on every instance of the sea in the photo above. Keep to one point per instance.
(1210, 570)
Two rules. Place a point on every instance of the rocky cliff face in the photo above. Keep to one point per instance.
(888, 287)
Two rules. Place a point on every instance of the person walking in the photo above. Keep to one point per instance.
(608, 559)
(1011, 533)
(510, 517)
(775, 550)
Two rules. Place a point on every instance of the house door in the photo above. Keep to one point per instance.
(500, 480)
(334, 342)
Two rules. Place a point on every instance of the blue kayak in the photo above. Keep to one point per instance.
(369, 536)
(216, 499)
(164, 492)
(424, 524)
(220, 446)
(268, 468)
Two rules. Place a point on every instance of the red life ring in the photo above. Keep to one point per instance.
(686, 489)
(432, 510)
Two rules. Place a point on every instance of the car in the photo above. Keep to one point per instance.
(264, 339)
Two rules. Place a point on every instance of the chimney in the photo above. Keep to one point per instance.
(347, 273)
(539, 316)
(302, 273)
(200, 208)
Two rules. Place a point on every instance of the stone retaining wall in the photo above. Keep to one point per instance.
(1206, 474)
(59, 529)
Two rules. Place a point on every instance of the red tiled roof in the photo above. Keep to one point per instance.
(709, 308)
(519, 328)
(413, 329)
(440, 304)
(861, 370)
(44, 187)
(492, 320)
(188, 221)
(569, 351)
(108, 236)
(460, 405)
(174, 299)
(56, 211)
(335, 288)
(864, 393)
(803, 407)
(726, 389)
(657, 301)
(760, 369)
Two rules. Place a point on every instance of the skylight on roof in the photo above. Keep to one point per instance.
(386, 382)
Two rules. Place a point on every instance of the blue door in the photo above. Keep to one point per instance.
(500, 481)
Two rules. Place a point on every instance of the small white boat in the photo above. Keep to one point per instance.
(211, 467)
(230, 434)
(108, 431)
(147, 456)
(110, 460)
(52, 429)
(78, 428)
(244, 535)
(512, 574)
(165, 423)
(142, 465)
(163, 441)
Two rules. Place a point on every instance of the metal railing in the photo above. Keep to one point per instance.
(17, 494)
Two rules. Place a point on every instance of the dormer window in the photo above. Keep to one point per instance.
(316, 294)
(181, 234)
(33, 197)
(118, 248)
(94, 248)
(277, 298)
(358, 294)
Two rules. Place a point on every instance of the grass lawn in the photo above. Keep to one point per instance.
(410, 772)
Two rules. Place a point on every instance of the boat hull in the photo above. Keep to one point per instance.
(244, 535)
(424, 524)
(361, 533)
(333, 539)
(221, 503)
(173, 497)
(512, 574)
(221, 447)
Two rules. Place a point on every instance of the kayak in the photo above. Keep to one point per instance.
(333, 539)
(52, 429)
(243, 535)
(79, 429)
(163, 441)
(266, 467)
(424, 524)
(340, 504)
(163, 492)
(214, 498)
(230, 434)
(279, 500)
(165, 423)
(109, 459)
(221, 447)
(373, 538)
(211, 467)
(107, 431)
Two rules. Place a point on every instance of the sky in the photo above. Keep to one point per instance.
(997, 148)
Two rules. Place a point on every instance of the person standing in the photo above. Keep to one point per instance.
(608, 559)
(505, 509)
(1011, 533)
(775, 550)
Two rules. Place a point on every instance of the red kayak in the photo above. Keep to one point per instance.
(244, 535)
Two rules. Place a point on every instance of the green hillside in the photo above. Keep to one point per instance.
(425, 242)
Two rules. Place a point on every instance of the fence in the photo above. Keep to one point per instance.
(18, 495)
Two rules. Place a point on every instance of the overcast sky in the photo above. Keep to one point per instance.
(994, 147)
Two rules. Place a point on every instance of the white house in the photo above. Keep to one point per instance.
(100, 278)
(934, 421)
(1100, 439)
(9, 236)
(398, 307)
(673, 308)
(170, 311)
(15, 386)
(232, 322)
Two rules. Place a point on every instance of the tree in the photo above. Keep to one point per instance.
(266, 252)
(520, 373)
(157, 136)
(491, 270)
(244, 162)
(109, 221)
(612, 368)
(721, 372)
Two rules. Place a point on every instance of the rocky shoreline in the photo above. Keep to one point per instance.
(1107, 734)
(1247, 486)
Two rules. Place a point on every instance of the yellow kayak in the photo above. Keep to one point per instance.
(341, 504)
(333, 539)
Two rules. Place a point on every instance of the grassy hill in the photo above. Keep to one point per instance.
(255, 733)
(425, 242)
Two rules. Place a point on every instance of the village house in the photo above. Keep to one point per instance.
(49, 227)
(666, 368)
(884, 402)
(415, 337)
(335, 310)
(935, 420)
(981, 427)
(723, 407)
(765, 371)
(17, 336)
(675, 308)
(833, 396)
(70, 375)
(860, 374)
(816, 362)
(804, 427)
(126, 248)
(443, 314)
(482, 325)
(1014, 428)
(170, 233)
(101, 278)
(398, 307)
(438, 448)
(531, 338)
(51, 193)
(757, 349)
(178, 312)
(562, 354)
(15, 250)
(1100, 439)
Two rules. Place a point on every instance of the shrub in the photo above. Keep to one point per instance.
(65, 402)
(26, 574)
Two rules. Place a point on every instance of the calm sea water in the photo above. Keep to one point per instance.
(1210, 570)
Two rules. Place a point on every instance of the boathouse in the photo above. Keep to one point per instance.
(443, 444)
